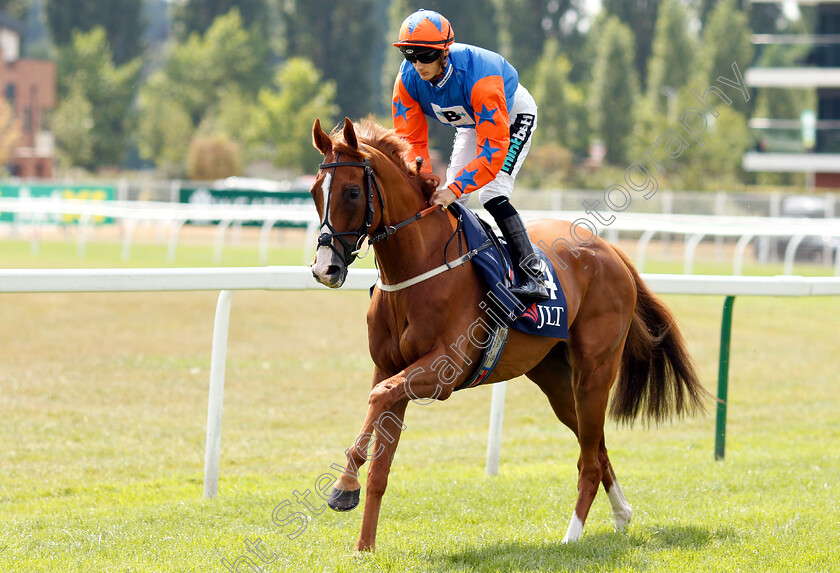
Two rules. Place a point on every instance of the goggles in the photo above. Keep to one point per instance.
(422, 55)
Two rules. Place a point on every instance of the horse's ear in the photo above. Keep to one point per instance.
(350, 134)
(320, 139)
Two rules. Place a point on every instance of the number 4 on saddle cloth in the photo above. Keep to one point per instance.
(547, 318)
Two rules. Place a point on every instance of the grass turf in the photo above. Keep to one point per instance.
(103, 407)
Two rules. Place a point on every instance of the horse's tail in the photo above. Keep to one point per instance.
(657, 377)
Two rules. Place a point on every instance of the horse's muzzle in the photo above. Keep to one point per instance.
(330, 272)
(332, 279)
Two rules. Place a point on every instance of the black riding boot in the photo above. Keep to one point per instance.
(531, 286)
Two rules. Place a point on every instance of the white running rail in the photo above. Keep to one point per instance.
(36, 212)
(228, 280)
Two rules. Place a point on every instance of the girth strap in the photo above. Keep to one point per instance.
(489, 358)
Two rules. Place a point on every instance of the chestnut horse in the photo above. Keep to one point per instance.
(617, 327)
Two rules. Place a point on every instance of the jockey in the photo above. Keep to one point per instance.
(477, 92)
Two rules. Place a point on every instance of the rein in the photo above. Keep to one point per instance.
(351, 251)
(391, 229)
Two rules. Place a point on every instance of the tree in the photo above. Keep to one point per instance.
(563, 115)
(562, 124)
(213, 157)
(640, 16)
(164, 130)
(16, 8)
(284, 116)
(190, 90)
(726, 39)
(340, 38)
(767, 18)
(196, 16)
(397, 12)
(121, 20)
(673, 53)
(615, 87)
(669, 71)
(704, 8)
(550, 93)
(231, 116)
(72, 125)
(86, 65)
(195, 76)
(764, 17)
(474, 21)
(35, 40)
(718, 161)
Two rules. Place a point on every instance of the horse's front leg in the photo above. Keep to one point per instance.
(346, 489)
(386, 409)
(387, 437)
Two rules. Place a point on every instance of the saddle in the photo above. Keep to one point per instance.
(495, 269)
(503, 310)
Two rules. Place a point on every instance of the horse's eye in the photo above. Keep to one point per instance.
(353, 192)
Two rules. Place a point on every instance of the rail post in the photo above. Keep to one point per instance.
(723, 377)
(216, 394)
(494, 436)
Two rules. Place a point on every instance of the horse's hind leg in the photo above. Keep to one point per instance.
(621, 510)
(554, 376)
(591, 381)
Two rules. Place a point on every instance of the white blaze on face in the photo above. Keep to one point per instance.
(326, 190)
(325, 256)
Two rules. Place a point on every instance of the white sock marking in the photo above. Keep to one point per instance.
(575, 529)
(622, 512)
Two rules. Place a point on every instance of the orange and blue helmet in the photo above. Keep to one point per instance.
(426, 28)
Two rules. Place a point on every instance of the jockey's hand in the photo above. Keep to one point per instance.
(443, 197)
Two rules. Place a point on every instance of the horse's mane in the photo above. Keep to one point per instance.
(385, 140)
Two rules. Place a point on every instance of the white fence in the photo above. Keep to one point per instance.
(228, 280)
(692, 228)
(665, 201)
(33, 214)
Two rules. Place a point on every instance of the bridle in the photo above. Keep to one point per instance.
(351, 250)
(326, 239)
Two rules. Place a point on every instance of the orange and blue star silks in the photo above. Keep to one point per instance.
(476, 92)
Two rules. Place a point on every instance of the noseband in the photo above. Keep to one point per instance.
(326, 239)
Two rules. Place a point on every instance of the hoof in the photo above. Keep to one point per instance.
(622, 518)
(341, 500)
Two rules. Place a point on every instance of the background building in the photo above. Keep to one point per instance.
(809, 143)
(28, 85)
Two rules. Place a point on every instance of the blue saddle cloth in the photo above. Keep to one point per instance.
(547, 318)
